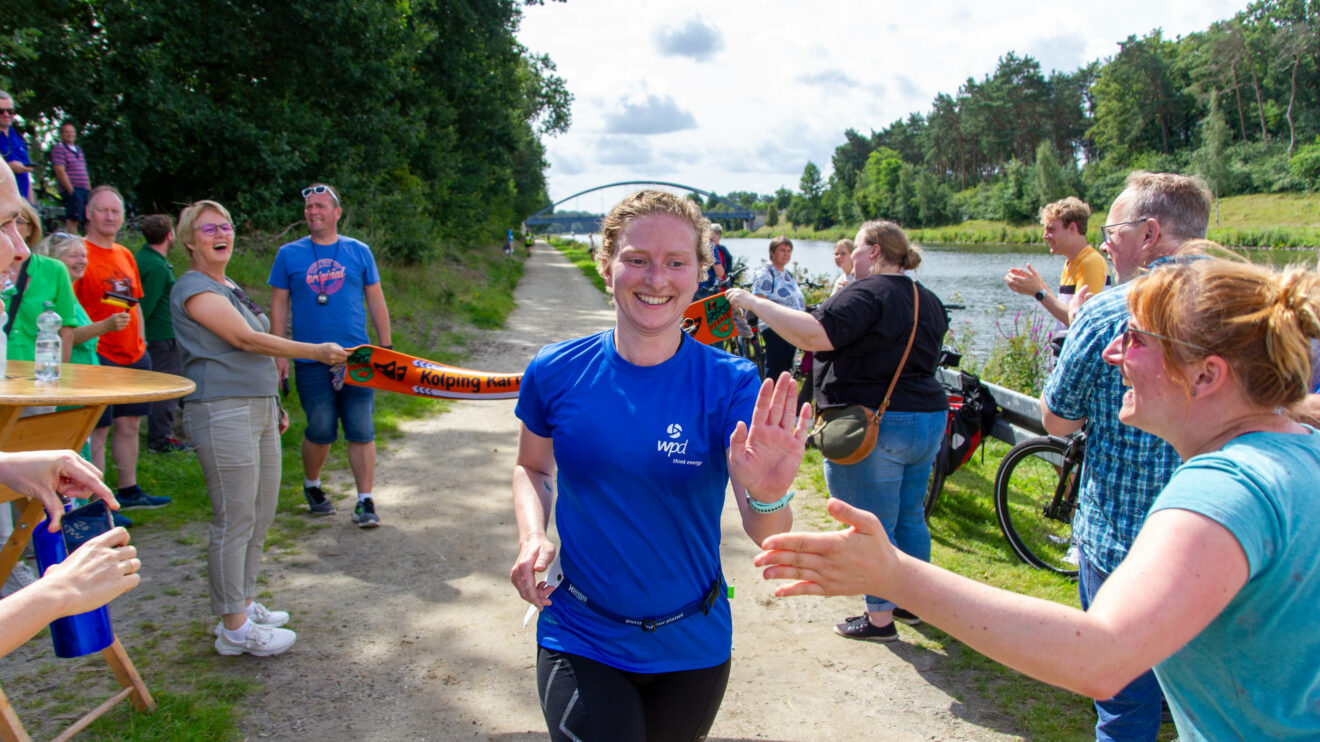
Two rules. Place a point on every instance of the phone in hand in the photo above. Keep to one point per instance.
(85, 523)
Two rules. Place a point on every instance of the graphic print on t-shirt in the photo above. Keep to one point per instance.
(118, 283)
(675, 446)
(325, 276)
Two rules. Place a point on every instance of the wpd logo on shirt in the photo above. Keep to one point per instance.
(674, 430)
(672, 447)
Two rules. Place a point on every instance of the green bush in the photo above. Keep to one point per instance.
(1305, 165)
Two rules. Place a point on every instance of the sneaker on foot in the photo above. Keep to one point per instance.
(121, 521)
(171, 445)
(365, 514)
(21, 576)
(261, 641)
(260, 615)
(907, 617)
(860, 627)
(140, 500)
(317, 502)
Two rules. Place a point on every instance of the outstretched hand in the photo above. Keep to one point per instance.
(765, 458)
(855, 561)
(49, 475)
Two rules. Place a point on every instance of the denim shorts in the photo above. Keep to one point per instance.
(326, 408)
(75, 204)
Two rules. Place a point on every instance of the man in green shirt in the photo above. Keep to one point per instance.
(157, 277)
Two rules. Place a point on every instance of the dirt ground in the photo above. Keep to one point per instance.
(411, 631)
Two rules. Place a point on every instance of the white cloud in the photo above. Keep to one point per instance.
(693, 38)
(738, 95)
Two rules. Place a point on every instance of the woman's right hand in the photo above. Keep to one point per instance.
(534, 557)
(96, 573)
(113, 323)
(331, 354)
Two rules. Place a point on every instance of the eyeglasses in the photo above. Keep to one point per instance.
(1107, 230)
(7, 112)
(309, 190)
(1130, 331)
(210, 230)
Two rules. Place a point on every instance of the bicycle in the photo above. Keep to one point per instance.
(1036, 496)
(940, 470)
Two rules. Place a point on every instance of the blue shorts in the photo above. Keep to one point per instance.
(325, 407)
(75, 204)
(132, 409)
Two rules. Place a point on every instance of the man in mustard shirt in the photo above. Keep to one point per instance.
(1086, 271)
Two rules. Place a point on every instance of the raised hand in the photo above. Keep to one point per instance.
(765, 458)
(855, 561)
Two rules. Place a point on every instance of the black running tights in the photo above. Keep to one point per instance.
(587, 701)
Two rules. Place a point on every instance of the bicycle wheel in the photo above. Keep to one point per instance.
(1024, 487)
(936, 484)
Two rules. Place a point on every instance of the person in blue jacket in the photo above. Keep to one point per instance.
(631, 437)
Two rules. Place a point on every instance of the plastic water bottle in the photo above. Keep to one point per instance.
(46, 362)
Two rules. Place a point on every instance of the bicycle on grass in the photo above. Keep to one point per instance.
(1036, 496)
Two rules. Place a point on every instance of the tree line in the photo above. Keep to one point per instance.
(1237, 103)
(427, 115)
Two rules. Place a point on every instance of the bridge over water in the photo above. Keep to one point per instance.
(750, 219)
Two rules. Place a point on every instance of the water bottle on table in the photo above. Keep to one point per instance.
(46, 361)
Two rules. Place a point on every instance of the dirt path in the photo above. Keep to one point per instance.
(412, 631)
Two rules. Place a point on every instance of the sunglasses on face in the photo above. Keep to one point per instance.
(1130, 332)
(309, 190)
(210, 230)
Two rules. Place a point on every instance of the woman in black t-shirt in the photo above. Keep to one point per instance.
(859, 335)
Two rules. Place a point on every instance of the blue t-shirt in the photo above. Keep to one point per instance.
(1254, 672)
(341, 272)
(13, 148)
(640, 453)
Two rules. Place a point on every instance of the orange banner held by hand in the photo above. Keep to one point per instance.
(390, 370)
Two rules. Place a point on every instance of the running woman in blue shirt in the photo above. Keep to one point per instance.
(631, 436)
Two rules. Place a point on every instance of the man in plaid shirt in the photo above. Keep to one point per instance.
(1150, 222)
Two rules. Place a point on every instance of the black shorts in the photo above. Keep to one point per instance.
(133, 409)
(588, 701)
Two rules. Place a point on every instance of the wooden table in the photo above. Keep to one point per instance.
(94, 387)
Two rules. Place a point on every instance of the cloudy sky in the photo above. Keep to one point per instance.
(738, 95)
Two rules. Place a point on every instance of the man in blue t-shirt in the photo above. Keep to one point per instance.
(13, 148)
(328, 283)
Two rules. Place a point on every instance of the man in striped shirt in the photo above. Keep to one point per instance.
(71, 171)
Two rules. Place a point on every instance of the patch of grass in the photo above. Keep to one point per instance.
(965, 539)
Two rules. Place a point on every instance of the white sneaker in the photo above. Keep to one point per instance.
(260, 615)
(261, 641)
(21, 577)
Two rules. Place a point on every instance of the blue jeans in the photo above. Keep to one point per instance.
(891, 482)
(326, 407)
(1133, 714)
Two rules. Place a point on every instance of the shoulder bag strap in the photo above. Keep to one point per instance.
(916, 312)
(20, 286)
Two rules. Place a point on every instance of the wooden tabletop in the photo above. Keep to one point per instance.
(81, 384)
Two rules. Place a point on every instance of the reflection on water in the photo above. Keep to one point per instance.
(972, 276)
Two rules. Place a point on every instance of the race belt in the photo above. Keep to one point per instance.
(701, 605)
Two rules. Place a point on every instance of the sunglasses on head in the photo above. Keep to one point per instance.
(309, 190)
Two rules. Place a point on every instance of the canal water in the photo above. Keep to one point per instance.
(972, 276)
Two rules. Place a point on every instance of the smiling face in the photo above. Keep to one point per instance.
(75, 259)
(322, 216)
(210, 253)
(653, 275)
(1155, 401)
(1126, 243)
(68, 134)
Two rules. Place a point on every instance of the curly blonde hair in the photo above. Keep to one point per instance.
(646, 203)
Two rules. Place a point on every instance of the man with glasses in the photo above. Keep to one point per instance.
(13, 148)
(1084, 273)
(327, 284)
(1150, 222)
(109, 285)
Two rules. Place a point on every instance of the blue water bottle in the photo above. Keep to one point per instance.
(84, 633)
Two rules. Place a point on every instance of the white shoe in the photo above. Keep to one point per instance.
(21, 577)
(261, 641)
(260, 615)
